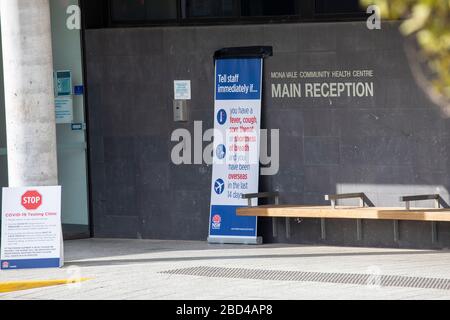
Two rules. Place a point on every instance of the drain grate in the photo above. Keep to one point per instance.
(321, 277)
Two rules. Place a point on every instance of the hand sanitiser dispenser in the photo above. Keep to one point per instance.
(180, 110)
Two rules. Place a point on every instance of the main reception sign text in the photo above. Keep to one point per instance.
(322, 84)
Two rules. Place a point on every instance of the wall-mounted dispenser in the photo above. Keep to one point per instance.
(180, 111)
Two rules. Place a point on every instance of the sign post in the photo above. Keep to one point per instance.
(31, 228)
(238, 95)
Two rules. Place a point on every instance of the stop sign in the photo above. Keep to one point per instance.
(31, 200)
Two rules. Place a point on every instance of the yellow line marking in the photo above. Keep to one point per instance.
(27, 285)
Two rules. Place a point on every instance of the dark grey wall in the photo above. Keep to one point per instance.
(393, 144)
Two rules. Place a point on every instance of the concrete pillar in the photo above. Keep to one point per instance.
(29, 95)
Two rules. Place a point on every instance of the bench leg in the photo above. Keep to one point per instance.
(323, 229)
(359, 229)
(396, 231)
(288, 228)
(274, 228)
(434, 233)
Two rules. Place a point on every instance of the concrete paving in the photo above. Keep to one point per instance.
(131, 269)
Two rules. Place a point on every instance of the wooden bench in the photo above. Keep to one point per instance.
(366, 210)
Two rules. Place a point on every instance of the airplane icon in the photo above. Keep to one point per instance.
(219, 186)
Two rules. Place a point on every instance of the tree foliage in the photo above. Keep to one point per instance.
(429, 22)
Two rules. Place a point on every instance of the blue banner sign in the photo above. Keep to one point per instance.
(238, 95)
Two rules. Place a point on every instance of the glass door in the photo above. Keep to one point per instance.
(71, 135)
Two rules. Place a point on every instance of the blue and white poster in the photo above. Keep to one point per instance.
(238, 95)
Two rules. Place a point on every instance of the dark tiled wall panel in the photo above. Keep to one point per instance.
(392, 144)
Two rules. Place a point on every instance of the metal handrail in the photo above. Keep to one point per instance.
(362, 196)
(261, 195)
(439, 201)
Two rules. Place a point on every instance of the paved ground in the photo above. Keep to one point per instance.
(128, 269)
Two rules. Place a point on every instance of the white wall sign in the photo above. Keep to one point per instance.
(31, 228)
(64, 110)
(182, 89)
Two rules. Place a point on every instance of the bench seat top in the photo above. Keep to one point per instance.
(327, 212)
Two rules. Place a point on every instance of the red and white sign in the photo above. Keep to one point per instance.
(31, 200)
(31, 228)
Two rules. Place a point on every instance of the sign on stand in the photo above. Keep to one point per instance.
(31, 228)
(236, 143)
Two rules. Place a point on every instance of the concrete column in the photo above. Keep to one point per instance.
(29, 95)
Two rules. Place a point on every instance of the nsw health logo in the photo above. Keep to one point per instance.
(216, 222)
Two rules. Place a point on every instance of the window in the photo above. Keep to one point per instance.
(333, 7)
(252, 8)
(143, 10)
(209, 8)
(111, 13)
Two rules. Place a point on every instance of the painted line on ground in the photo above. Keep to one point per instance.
(13, 286)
